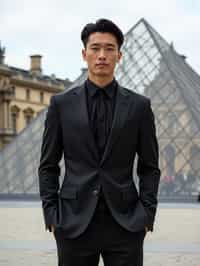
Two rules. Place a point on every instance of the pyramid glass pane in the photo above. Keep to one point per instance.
(152, 67)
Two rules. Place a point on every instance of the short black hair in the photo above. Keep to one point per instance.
(102, 25)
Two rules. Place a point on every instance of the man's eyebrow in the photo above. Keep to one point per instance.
(99, 44)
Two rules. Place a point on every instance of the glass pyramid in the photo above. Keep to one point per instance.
(151, 67)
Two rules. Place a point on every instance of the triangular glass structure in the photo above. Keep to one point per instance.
(151, 67)
(19, 160)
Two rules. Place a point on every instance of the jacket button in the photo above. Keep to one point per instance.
(95, 192)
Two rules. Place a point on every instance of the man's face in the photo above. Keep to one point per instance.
(101, 54)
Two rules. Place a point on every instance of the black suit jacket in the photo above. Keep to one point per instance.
(67, 132)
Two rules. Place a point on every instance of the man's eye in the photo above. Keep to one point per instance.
(110, 49)
(95, 48)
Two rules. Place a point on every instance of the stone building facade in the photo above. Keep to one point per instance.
(23, 95)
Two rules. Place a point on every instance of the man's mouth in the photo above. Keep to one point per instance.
(101, 65)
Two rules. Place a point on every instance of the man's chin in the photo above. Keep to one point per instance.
(102, 73)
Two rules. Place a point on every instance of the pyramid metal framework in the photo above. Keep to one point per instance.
(151, 67)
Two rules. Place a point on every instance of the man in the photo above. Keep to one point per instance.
(99, 127)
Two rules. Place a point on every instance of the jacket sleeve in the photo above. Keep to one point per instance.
(148, 163)
(49, 169)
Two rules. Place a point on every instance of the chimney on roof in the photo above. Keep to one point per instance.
(36, 65)
(2, 54)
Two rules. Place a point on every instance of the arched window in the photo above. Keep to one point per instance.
(14, 117)
(28, 115)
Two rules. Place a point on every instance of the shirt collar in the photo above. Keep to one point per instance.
(109, 88)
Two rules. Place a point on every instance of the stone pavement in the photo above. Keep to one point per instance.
(24, 242)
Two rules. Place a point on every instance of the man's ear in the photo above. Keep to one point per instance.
(119, 56)
(83, 54)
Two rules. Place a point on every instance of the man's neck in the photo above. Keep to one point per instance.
(101, 81)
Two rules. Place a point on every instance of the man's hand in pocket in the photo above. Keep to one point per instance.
(52, 227)
(146, 229)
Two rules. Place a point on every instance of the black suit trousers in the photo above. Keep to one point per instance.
(117, 246)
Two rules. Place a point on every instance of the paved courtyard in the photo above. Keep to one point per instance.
(24, 241)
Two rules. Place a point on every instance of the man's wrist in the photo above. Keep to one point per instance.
(52, 228)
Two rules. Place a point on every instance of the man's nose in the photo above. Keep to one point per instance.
(102, 54)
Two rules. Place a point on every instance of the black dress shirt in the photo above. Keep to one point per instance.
(101, 104)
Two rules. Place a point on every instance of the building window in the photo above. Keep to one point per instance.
(14, 116)
(27, 94)
(28, 115)
(14, 122)
(14, 92)
(28, 119)
(41, 97)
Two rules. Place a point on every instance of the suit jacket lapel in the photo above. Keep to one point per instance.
(84, 118)
(121, 111)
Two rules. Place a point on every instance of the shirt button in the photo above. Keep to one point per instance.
(95, 192)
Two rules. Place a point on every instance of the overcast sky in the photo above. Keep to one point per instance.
(52, 28)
